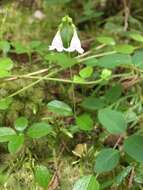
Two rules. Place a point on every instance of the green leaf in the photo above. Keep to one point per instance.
(114, 93)
(87, 183)
(4, 46)
(106, 160)
(6, 64)
(38, 130)
(60, 108)
(4, 103)
(133, 146)
(86, 72)
(42, 176)
(16, 143)
(6, 134)
(21, 123)
(4, 73)
(137, 37)
(122, 175)
(19, 47)
(77, 78)
(91, 62)
(114, 60)
(84, 122)
(93, 104)
(112, 120)
(125, 48)
(61, 59)
(106, 40)
(138, 59)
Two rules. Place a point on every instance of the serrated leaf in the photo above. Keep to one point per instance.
(106, 160)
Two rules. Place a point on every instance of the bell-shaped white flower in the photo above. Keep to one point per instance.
(57, 43)
(75, 44)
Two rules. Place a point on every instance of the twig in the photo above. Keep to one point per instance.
(131, 178)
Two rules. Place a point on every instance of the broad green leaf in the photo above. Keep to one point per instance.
(61, 59)
(106, 160)
(42, 176)
(91, 62)
(38, 130)
(125, 48)
(86, 72)
(6, 64)
(133, 146)
(113, 93)
(85, 122)
(112, 120)
(138, 59)
(16, 143)
(106, 40)
(6, 134)
(19, 47)
(87, 183)
(4, 73)
(59, 108)
(114, 60)
(4, 103)
(21, 123)
(92, 103)
(4, 46)
(137, 37)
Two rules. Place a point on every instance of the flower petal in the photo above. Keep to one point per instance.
(57, 43)
(75, 44)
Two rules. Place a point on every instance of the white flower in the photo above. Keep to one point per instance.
(57, 43)
(75, 44)
(39, 15)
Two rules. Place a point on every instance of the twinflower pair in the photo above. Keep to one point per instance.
(66, 38)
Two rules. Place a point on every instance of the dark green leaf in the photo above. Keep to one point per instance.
(112, 120)
(114, 60)
(133, 146)
(106, 160)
